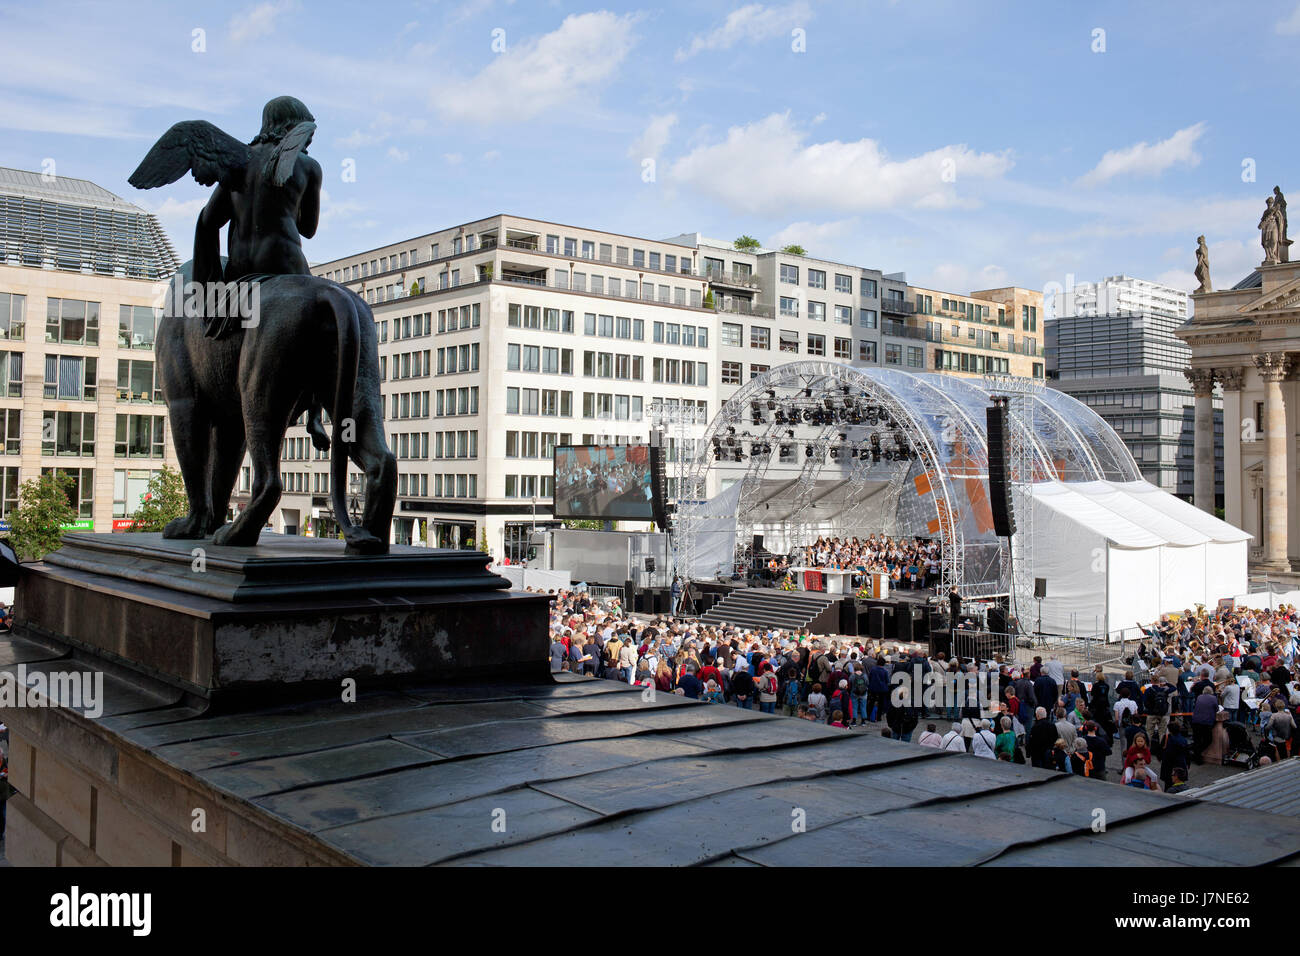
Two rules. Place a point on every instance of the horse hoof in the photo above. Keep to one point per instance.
(363, 542)
(191, 526)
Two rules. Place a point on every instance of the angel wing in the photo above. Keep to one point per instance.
(193, 145)
(286, 154)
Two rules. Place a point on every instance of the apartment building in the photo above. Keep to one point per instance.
(994, 331)
(777, 307)
(500, 339)
(80, 276)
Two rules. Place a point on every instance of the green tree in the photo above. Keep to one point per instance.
(44, 509)
(415, 288)
(708, 299)
(795, 249)
(747, 244)
(584, 524)
(163, 500)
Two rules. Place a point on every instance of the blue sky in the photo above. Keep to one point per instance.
(971, 143)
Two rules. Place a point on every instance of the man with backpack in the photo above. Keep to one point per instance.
(1155, 704)
(860, 688)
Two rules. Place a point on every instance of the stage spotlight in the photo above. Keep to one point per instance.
(789, 433)
(829, 403)
(807, 451)
(807, 393)
(739, 455)
(780, 415)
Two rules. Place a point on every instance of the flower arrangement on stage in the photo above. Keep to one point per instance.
(864, 592)
(787, 584)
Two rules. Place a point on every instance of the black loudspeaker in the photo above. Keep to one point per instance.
(920, 626)
(998, 619)
(650, 565)
(629, 594)
(941, 640)
(757, 544)
(1004, 519)
(1040, 587)
(849, 618)
(658, 482)
(876, 623)
(662, 602)
(902, 624)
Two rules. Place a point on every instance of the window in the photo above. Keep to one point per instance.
(760, 337)
(893, 354)
(135, 381)
(817, 311)
(72, 322)
(844, 284)
(11, 371)
(74, 433)
(733, 335)
(867, 318)
(867, 287)
(789, 341)
(70, 377)
(136, 327)
(816, 279)
(13, 315)
(844, 315)
(915, 357)
(756, 370)
(523, 317)
(81, 494)
(789, 306)
(844, 348)
(139, 436)
(730, 373)
(816, 344)
(790, 274)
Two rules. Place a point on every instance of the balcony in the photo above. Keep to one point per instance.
(732, 280)
(897, 306)
(743, 307)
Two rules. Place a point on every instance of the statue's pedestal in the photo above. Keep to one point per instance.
(209, 619)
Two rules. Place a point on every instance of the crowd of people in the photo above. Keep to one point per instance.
(1203, 688)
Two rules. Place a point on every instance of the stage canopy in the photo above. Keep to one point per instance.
(821, 448)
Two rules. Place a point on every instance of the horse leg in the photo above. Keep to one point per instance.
(192, 435)
(371, 454)
(227, 457)
(264, 440)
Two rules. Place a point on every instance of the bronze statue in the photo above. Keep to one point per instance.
(299, 341)
(1202, 266)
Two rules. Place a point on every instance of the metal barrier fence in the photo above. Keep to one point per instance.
(982, 645)
(601, 591)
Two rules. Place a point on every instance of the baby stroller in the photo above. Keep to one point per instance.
(1241, 752)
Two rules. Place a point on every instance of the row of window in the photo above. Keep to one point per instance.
(623, 408)
(619, 255)
(536, 358)
(817, 280)
(533, 401)
(529, 486)
(534, 444)
(73, 433)
(679, 372)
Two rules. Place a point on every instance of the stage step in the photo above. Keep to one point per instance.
(764, 608)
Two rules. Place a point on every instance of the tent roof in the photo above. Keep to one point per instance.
(1135, 514)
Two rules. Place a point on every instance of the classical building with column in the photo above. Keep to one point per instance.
(1246, 341)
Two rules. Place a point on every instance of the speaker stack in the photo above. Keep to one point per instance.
(1004, 519)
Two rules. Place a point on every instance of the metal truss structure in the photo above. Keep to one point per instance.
(851, 450)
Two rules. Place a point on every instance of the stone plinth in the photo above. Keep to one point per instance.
(292, 610)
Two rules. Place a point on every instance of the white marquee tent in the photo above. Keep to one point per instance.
(1118, 553)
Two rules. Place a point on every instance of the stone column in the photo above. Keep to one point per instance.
(1273, 367)
(1232, 380)
(1202, 380)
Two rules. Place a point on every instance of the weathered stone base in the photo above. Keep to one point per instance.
(88, 798)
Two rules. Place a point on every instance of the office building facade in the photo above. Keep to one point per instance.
(1128, 367)
(81, 276)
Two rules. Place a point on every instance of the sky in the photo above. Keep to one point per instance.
(968, 143)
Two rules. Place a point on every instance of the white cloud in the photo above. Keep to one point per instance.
(332, 211)
(260, 21)
(492, 155)
(453, 159)
(1128, 216)
(652, 142)
(1290, 26)
(541, 74)
(961, 277)
(767, 167)
(753, 24)
(819, 238)
(401, 155)
(1146, 159)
